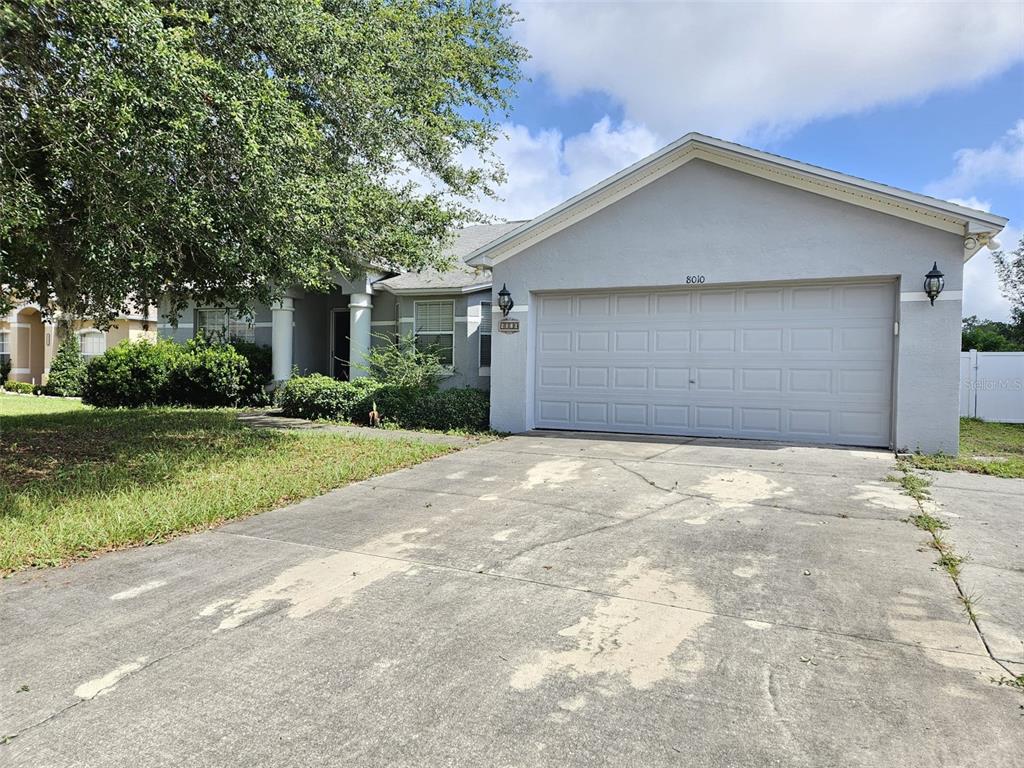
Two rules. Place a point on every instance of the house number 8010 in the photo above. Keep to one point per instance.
(694, 279)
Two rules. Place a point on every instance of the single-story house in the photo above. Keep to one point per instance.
(709, 289)
(326, 332)
(29, 340)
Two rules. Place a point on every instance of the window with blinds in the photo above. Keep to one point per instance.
(485, 334)
(5, 346)
(434, 326)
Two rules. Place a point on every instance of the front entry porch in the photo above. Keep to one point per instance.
(323, 333)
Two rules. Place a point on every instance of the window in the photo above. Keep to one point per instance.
(5, 346)
(92, 343)
(215, 323)
(434, 325)
(485, 334)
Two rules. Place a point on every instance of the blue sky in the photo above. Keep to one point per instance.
(924, 96)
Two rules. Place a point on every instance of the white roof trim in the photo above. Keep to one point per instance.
(922, 209)
(435, 291)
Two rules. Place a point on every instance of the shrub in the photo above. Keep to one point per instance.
(399, 362)
(207, 374)
(5, 368)
(417, 408)
(321, 397)
(131, 374)
(67, 372)
(21, 387)
(260, 372)
(465, 408)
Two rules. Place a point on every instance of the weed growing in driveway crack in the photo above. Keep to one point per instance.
(913, 484)
(926, 522)
(916, 486)
(1014, 681)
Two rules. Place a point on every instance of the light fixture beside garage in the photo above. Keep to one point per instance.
(934, 282)
(505, 302)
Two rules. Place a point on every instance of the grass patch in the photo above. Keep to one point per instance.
(75, 480)
(927, 522)
(999, 446)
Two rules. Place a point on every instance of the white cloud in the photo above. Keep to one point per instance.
(740, 70)
(545, 168)
(982, 296)
(981, 287)
(1000, 162)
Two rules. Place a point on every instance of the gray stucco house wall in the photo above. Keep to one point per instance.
(740, 230)
(319, 325)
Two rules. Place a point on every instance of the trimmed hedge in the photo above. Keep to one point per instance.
(20, 387)
(417, 408)
(131, 374)
(259, 373)
(321, 397)
(207, 375)
(143, 373)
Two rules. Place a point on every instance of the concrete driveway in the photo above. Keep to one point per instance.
(542, 600)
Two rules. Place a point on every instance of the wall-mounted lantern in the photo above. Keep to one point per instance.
(934, 282)
(505, 302)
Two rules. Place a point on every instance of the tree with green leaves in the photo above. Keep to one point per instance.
(68, 369)
(1010, 270)
(222, 150)
(991, 336)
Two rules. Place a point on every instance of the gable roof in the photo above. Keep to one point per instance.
(461, 278)
(912, 206)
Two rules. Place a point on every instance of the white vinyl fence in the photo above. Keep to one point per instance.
(992, 385)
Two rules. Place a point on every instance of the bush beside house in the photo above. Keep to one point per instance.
(402, 388)
(321, 397)
(143, 373)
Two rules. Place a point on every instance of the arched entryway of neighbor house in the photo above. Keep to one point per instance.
(27, 343)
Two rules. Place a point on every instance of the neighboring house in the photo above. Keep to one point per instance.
(709, 289)
(325, 332)
(29, 340)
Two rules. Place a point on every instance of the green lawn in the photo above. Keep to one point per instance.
(986, 448)
(75, 480)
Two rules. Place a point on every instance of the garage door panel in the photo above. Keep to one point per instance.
(761, 420)
(810, 423)
(591, 377)
(716, 340)
(554, 341)
(761, 380)
(671, 340)
(803, 362)
(594, 413)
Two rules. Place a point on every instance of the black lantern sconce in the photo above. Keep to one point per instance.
(934, 282)
(505, 302)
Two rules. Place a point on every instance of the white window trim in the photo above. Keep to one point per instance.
(5, 341)
(226, 319)
(416, 332)
(485, 311)
(93, 332)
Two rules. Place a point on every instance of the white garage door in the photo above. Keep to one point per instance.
(805, 362)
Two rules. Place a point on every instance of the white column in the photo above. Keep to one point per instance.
(359, 333)
(281, 339)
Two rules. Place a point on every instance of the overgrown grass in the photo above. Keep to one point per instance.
(75, 481)
(999, 446)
